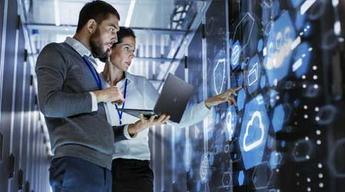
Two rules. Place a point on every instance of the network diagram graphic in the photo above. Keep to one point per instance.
(273, 49)
(269, 53)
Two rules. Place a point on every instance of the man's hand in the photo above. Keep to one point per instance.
(111, 94)
(144, 123)
(227, 96)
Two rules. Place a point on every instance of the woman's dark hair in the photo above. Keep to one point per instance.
(124, 32)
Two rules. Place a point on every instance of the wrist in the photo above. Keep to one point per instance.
(208, 104)
(98, 96)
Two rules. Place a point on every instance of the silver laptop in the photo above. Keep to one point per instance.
(172, 100)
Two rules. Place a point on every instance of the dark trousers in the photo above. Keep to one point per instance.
(131, 175)
(69, 174)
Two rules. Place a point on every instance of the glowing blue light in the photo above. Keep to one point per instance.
(302, 58)
(280, 44)
(235, 54)
(278, 118)
(253, 133)
(241, 178)
(241, 98)
(296, 3)
(275, 159)
(254, 74)
(260, 45)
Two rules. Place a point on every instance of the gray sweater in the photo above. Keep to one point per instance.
(64, 83)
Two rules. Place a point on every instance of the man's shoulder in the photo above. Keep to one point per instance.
(53, 45)
(54, 53)
(56, 47)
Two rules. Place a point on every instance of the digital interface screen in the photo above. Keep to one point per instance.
(285, 133)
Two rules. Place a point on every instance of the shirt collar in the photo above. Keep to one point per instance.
(78, 46)
(129, 77)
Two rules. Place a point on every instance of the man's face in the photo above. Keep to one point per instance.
(104, 37)
(123, 53)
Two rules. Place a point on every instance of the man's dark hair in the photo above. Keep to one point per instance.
(124, 32)
(97, 10)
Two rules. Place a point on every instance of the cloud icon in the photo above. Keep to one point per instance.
(253, 144)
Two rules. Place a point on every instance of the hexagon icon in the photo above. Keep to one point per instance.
(250, 145)
(262, 176)
(241, 98)
(253, 133)
(219, 72)
(281, 42)
(302, 150)
(227, 179)
(231, 120)
(241, 178)
(235, 54)
(254, 74)
(247, 22)
(278, 118)
(275, 159)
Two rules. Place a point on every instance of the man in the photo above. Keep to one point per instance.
(71, 96)
(131, 170)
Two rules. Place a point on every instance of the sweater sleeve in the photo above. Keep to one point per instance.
(51, 70)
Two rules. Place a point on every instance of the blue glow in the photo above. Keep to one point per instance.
(281, 37)
(278, 118)
(273, 94)
(260, 45)
(307, 30)
(263, 82)
(253, 135)
(241, 178)
(296, 3)
(235, 54)
(300, 21)
(241, 98)
(302, 58)
(275, 159)
(254, 74)
(231, 121)
(270, 9)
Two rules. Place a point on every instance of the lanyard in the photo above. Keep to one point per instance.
(120, 113)
(93, 71)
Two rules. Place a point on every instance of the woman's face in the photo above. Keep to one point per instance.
(123, 53)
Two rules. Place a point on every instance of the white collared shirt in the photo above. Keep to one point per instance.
(84, 51)
(142, 95)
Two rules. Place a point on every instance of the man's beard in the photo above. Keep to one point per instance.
(104, 59)
(97, 47)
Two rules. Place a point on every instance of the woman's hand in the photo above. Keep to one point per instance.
(227, 96)
(144, 123)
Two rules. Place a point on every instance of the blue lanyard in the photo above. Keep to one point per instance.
(120, 113)
(93, 71)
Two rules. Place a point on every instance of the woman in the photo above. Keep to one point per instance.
(131, 170)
